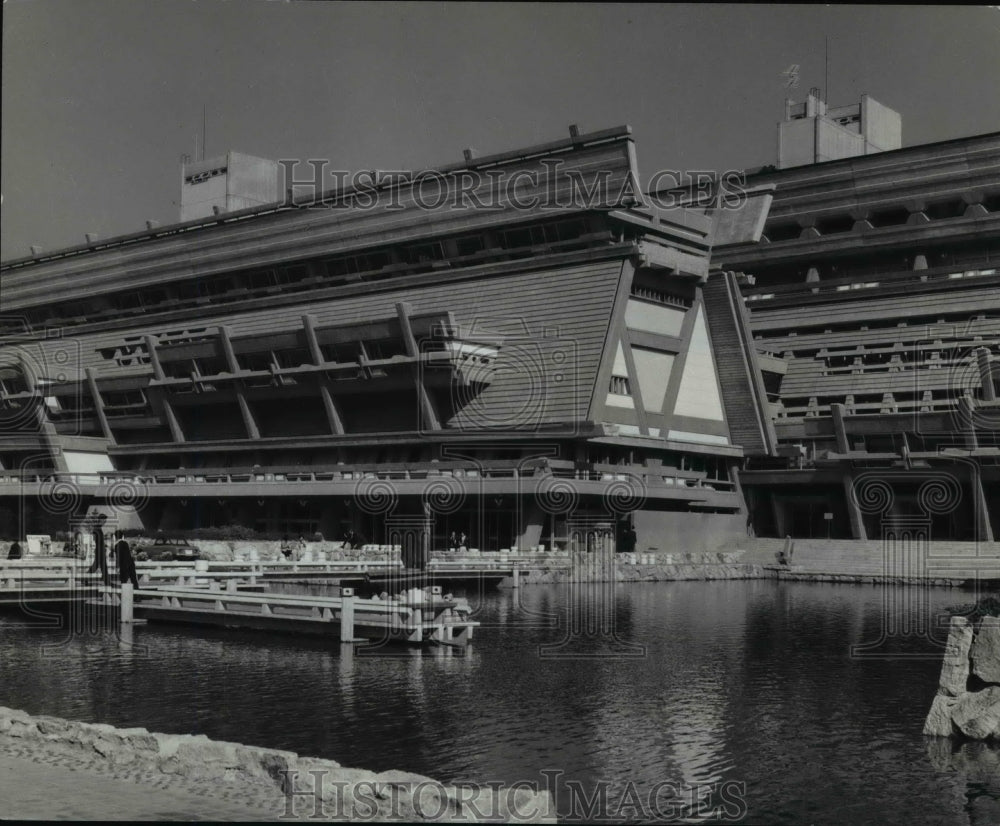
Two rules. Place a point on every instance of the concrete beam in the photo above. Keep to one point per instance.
(99, 405)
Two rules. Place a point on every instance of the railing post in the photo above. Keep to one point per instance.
(347, 615)
(127, 606)
(417, 618)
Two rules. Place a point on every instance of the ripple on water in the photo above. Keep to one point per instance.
(744, 682)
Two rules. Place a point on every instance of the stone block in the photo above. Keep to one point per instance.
(52, 725)
(938, 723)
(139, 740)
(955, 666)
(977, 713)
(986, 650)
(25, 729)
(206, 751)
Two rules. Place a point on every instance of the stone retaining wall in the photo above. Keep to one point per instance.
(267, 550)
(792, 575)
(658, 567)
(319, 785)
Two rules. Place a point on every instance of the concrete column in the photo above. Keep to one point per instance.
(986, 375)
(425, 535)
(46, 429)
(531, 529)
(778, 510)
(837, 411)
(248, 420)
(428, 412)
(966, 417)
(309, 326)
(175, 427)
(984, 528)
(332, 414)
(853, 510)
(99, 405)
(154, 359)
(227, 349)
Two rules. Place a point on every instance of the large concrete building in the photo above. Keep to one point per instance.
(507, 347)
(519, 344)
(874, 301)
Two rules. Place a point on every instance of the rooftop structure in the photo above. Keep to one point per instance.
(812, 133)
(228, 183)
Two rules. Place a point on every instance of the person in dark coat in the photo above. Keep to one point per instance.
(126, 562)
(100, 553)
(15, 550)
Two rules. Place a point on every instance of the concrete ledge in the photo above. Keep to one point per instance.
(299, 786)
(659, 568)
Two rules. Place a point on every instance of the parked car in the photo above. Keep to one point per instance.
(173, 549)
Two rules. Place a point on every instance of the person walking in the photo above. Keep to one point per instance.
(100, 562)
(126, 562)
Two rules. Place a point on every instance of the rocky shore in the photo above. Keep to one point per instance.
(281, 783)
(967, 703)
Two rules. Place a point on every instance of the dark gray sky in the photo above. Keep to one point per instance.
(101, 97)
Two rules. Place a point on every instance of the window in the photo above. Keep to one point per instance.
(619, 386)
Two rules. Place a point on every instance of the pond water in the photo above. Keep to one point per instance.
(688, 701)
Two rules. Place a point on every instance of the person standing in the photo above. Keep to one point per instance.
(100, 553)
(126, 562)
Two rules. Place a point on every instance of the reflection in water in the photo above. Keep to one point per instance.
(747, 682)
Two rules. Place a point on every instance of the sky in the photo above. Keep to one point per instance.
(101, 98)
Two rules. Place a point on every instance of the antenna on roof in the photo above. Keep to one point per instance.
(204, 121)
(826, 66)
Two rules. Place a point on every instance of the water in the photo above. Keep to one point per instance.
(745, 696)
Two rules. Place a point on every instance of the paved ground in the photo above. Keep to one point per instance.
(41, 785)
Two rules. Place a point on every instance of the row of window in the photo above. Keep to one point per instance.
(411, 259)
(659, 296)
(893, 216)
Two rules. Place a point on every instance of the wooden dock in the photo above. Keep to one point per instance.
(427, 619)
(216, 595)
